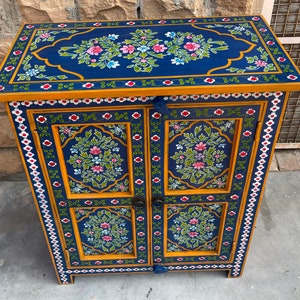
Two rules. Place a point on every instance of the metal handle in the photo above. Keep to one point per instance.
(160, 105)
(158, 201)
(138, 202)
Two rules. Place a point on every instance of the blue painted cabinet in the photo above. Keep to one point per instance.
(147, 143)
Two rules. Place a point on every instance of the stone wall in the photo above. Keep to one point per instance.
(14, 13)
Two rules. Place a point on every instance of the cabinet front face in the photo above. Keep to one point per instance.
(95, 161)
(199, 173)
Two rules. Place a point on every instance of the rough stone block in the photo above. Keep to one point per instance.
(7, 138)
(193, 8)
(10, 161)
(107, 9)
(47, 10)
(9, 17)
(4, 46)
(288, 160)
(2, 107)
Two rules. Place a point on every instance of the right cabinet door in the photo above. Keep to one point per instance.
(201, 157)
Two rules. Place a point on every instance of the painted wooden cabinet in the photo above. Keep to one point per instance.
(147, 143)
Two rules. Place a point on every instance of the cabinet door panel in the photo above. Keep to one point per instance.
(200, 172)
(96, 170)
(95, 159)
(200, 155)
(193, 229)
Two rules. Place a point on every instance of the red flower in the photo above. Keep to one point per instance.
(137, 137)
(97, 169)
(200, 147)
(219, 112)
(94, 50)
(156, 158)
(156, 180)
(199, 165)
(88, 85)
(138, 159)
(193, 234)
(250, 111)
(184, 198)
(73, 117)
(46, 86)
(47, 143)
(292, 77)
(190, 46)
(247, 133)
(9, 68)
(41, 119)
(239, 176)
(168, 82)
(209, 80)
(155, 138)
(95, 150)
(107, 238)
(159, 48)
(281, 59)
(185, 113)
(136, 115)
(105, 225)
(194, 221)
(51, 164)
(17, 52)
(130, 83)
(243, 154)
(156, 115)
(106, 116)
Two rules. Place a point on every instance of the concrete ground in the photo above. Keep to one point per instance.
(272, 270)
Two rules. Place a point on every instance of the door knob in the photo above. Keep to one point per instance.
(138, 202)
(158, 201)
(160, 105)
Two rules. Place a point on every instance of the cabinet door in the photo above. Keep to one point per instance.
(199, 179)
(95, 167)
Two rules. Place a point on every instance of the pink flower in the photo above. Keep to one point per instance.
(127, 49)
(97, 169)
(193, 234)
(105, 225)
(200, 147)
(198, 165)
(261, 63)
(159, 48)
(194, 221)
(114, 160)
(107, 238)
(45, 35)
(95, 150)
(94, 50)
(190, 46)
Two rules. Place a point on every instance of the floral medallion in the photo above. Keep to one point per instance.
(199, 153)
(193, 227)
(105, 231)
(143, 49)
(95, 158)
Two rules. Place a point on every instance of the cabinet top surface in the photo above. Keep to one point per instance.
(145, 57)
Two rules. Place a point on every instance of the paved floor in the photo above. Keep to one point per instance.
(272, 271)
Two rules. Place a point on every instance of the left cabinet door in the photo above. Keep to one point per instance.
(94, 165)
